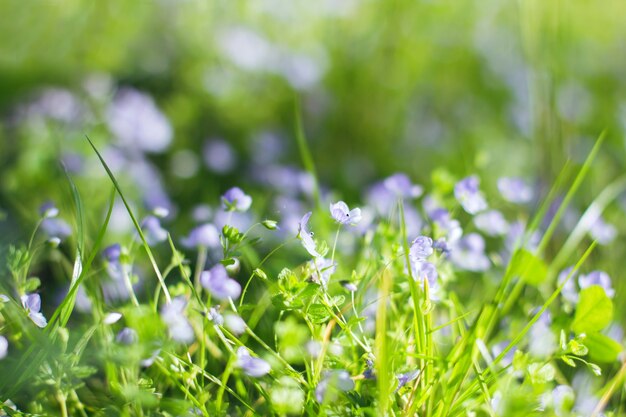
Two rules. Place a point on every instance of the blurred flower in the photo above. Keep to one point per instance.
(542, 341)
(235, 324)
(600, 278)
(153, 231)
(400, 185)
(491, 222)
(562, 400)
(343, 215)
(32, 305)
(469, 253)
(251, 366)
(306, 237)
(349, 286)
(569, 291)
(515, 190)
(173, 315)
(321, 270)
(48, 210)
(603, 232)
(112, 255)
(205, 235)
(406, 377)
(236, 199)
(137, 123)
(335, 380)
(421, 247)
(215, 316)
(56, 228)
(4, 347)
(219, 284)
(127, 336)
(383, 195)
(469, 196)
(219, 156)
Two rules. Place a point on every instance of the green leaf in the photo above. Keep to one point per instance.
(529, 267)
(594, 311)
(602, 348)
(318, 313)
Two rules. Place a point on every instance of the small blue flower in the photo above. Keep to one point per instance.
(32, 305)
(421, 247)
(56, 228)
(492, 222)
(236, 199)
(127, 336)
(219, 284)
(112, 253)
(306, 237)
(251, 366)
(600, 278)
(48, 210)
(400, 185)
(406, 377)
(569, 291)
(336, 380)
(468, 194)
(173, 315)
(603, 232)
(343, 215)
(153, 231)
(235, 324)
(205, 235)
(515, 190)
(469, 253)
(321, 270)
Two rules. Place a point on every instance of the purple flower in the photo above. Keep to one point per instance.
(236, 199)
(32, 305)
(4, 347)
(137, 123)
(569, 291)
(219, 284)
(603, 232)
(235, 324)
(406, 377)
(515, 190)
(173, 315)
(600, 278)
(127, 336)
(491, 222)
(336, 380)
(48, 210)
(251, 366)
(306, 237)
(215, 316)
(56, 228)
(153, 231)
(468, 253)
(321, 270)
(205, 235)
(469, 196)
(219, 156)
(422, 269)
(400, 185)
(112, 253)
(421, 247)
(343, 215)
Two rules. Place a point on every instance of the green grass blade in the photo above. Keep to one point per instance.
(144, 242)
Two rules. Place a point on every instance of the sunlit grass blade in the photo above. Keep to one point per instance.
(144, 242)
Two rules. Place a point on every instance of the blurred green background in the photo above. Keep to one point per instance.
(493, 87)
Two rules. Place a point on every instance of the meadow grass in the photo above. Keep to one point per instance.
(372, 316)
